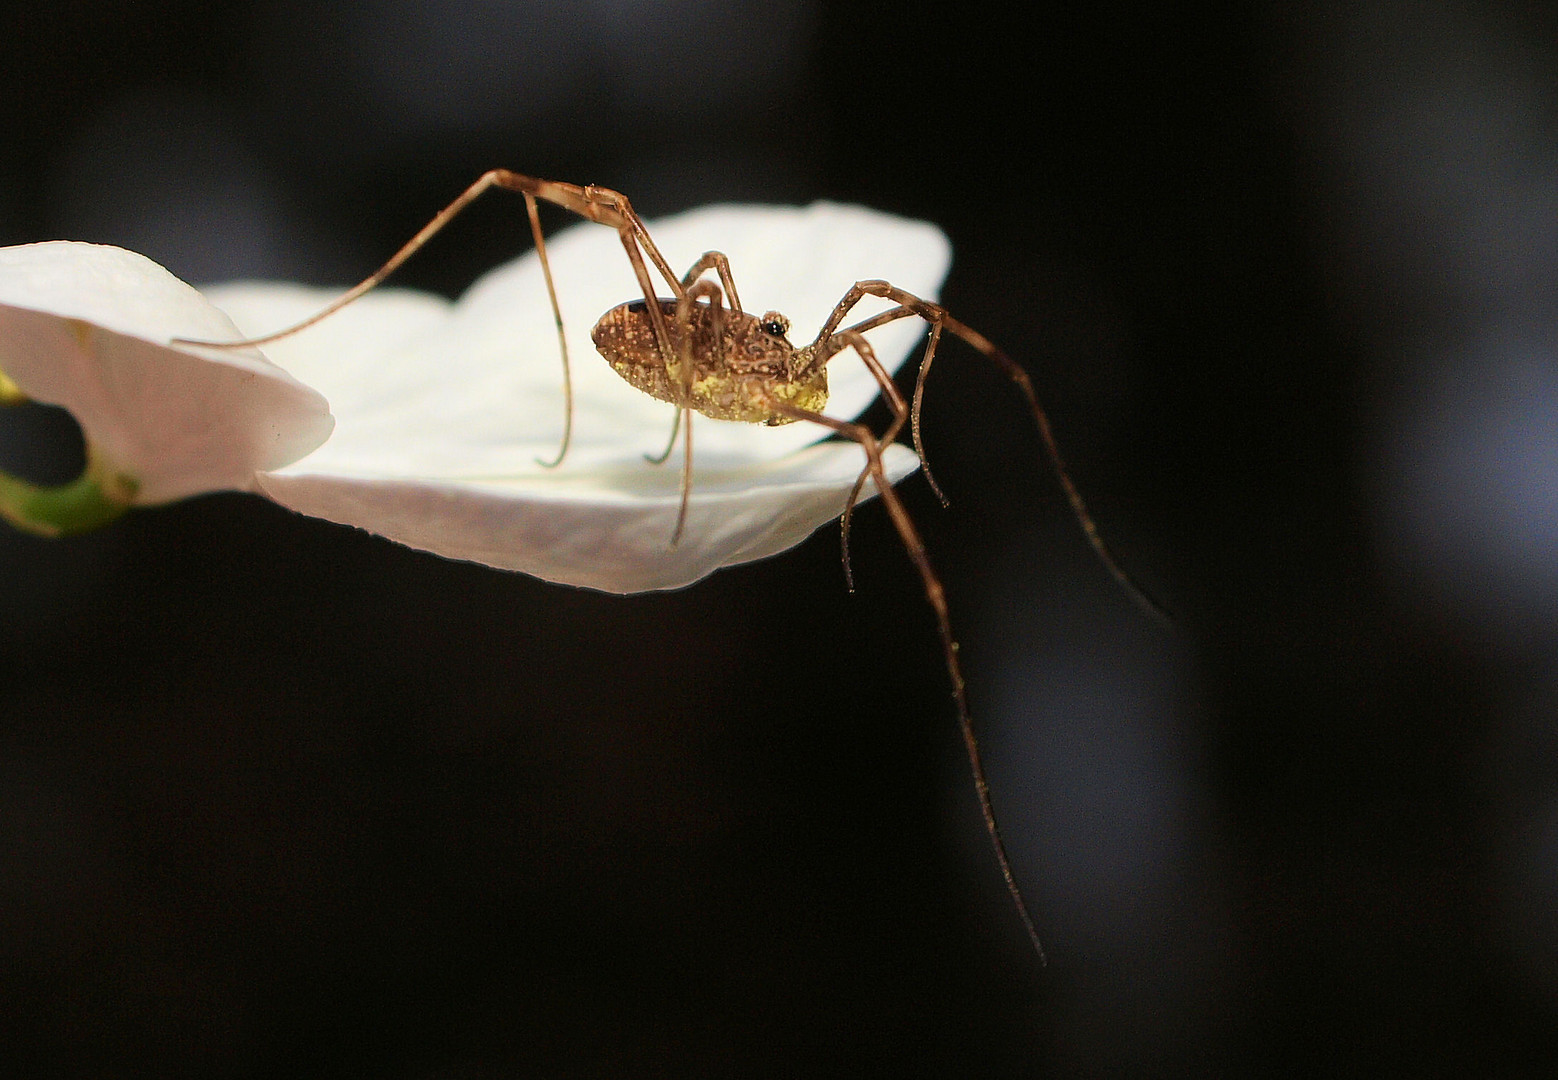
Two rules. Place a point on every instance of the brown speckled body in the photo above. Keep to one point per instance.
(739, 381)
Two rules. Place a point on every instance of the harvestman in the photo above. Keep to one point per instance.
(700, 355)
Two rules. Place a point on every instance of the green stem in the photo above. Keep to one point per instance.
(92, 500)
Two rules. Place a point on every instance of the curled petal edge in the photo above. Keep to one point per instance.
(87, 327)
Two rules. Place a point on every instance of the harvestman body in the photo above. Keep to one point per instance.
(701, 352)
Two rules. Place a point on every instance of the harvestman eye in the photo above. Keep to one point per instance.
(682, 350)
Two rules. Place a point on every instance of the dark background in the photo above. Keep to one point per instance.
(281, 799)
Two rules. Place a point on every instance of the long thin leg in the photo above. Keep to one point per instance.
(718, 261)
(681, 377)
(373, 280)
(656, 316)
(919, 404)
(676, 427)
(569, 196)
(601, 205)
(938, 602)
(616, 211)
(562, 337)
(638, 243)
(900, 413)
(827, 344)
(681, 508)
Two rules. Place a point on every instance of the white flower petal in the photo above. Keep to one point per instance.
(86, 327)
(445, 411)
(584, 532)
